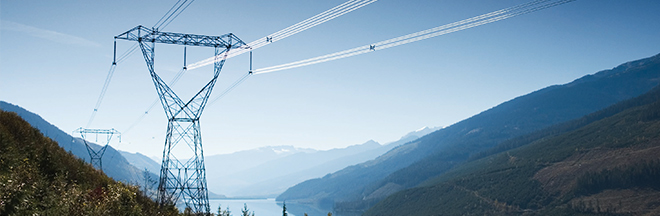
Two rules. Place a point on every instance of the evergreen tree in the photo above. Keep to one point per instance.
(149, 182)
(225, 212)
(284, 209)
(245, 211)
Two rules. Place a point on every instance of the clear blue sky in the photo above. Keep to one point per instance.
(54, 56)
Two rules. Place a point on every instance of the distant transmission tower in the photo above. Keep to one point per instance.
(182, 179)
(96, 155)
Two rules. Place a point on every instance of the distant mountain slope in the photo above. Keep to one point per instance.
(358, 187)
(274, 186)
(38, 177)
(114, 164)
(609, 166)
(281, 171)
(241, 160)
(142, 162)
(289, 162)
(222, 169)
(268, 171)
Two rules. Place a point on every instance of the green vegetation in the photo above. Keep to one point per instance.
(37, 177)
(245, 211)
(640, 175)
(561, 128)
(510, 182)
(225, 212)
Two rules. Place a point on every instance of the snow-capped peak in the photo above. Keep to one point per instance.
(421, 129)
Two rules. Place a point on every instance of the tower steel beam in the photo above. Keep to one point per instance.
(95, 156)
(183, 180)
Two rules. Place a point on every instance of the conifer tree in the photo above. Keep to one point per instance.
(245, 211)
(225, 212)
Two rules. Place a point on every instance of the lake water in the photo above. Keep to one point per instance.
(264, 207)
(261, 207)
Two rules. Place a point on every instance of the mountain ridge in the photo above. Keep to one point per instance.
(302, 164)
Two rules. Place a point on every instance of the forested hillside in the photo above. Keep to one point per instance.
(38, 177)
(603, 163)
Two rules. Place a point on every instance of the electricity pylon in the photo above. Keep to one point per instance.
(184, 180)
(95, 156)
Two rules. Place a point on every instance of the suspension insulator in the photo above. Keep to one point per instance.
(114, 55)
(184, 58)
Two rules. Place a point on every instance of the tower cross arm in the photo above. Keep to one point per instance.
(144, 34)
(96, 131)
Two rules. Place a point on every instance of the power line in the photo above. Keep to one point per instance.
(230, 88)
(311, 22)
(103, 91)
(421, 35)
(127, 53)
(318, 19)
(168, 20)
(417, 36)
(168, 12)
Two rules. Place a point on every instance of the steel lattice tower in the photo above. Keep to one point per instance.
(95, 156)
(183, 180)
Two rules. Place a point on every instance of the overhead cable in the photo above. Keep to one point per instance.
(172, 14)
(323, 17)
(103, 90)
(421, 35)
(166, 14)
(177, 12)
(230, 88)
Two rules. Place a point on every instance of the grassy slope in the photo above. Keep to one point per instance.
(37, 177)
(546, 176)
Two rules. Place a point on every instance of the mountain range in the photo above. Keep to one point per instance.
(141, 161)
(356, 188)
(268, 171)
